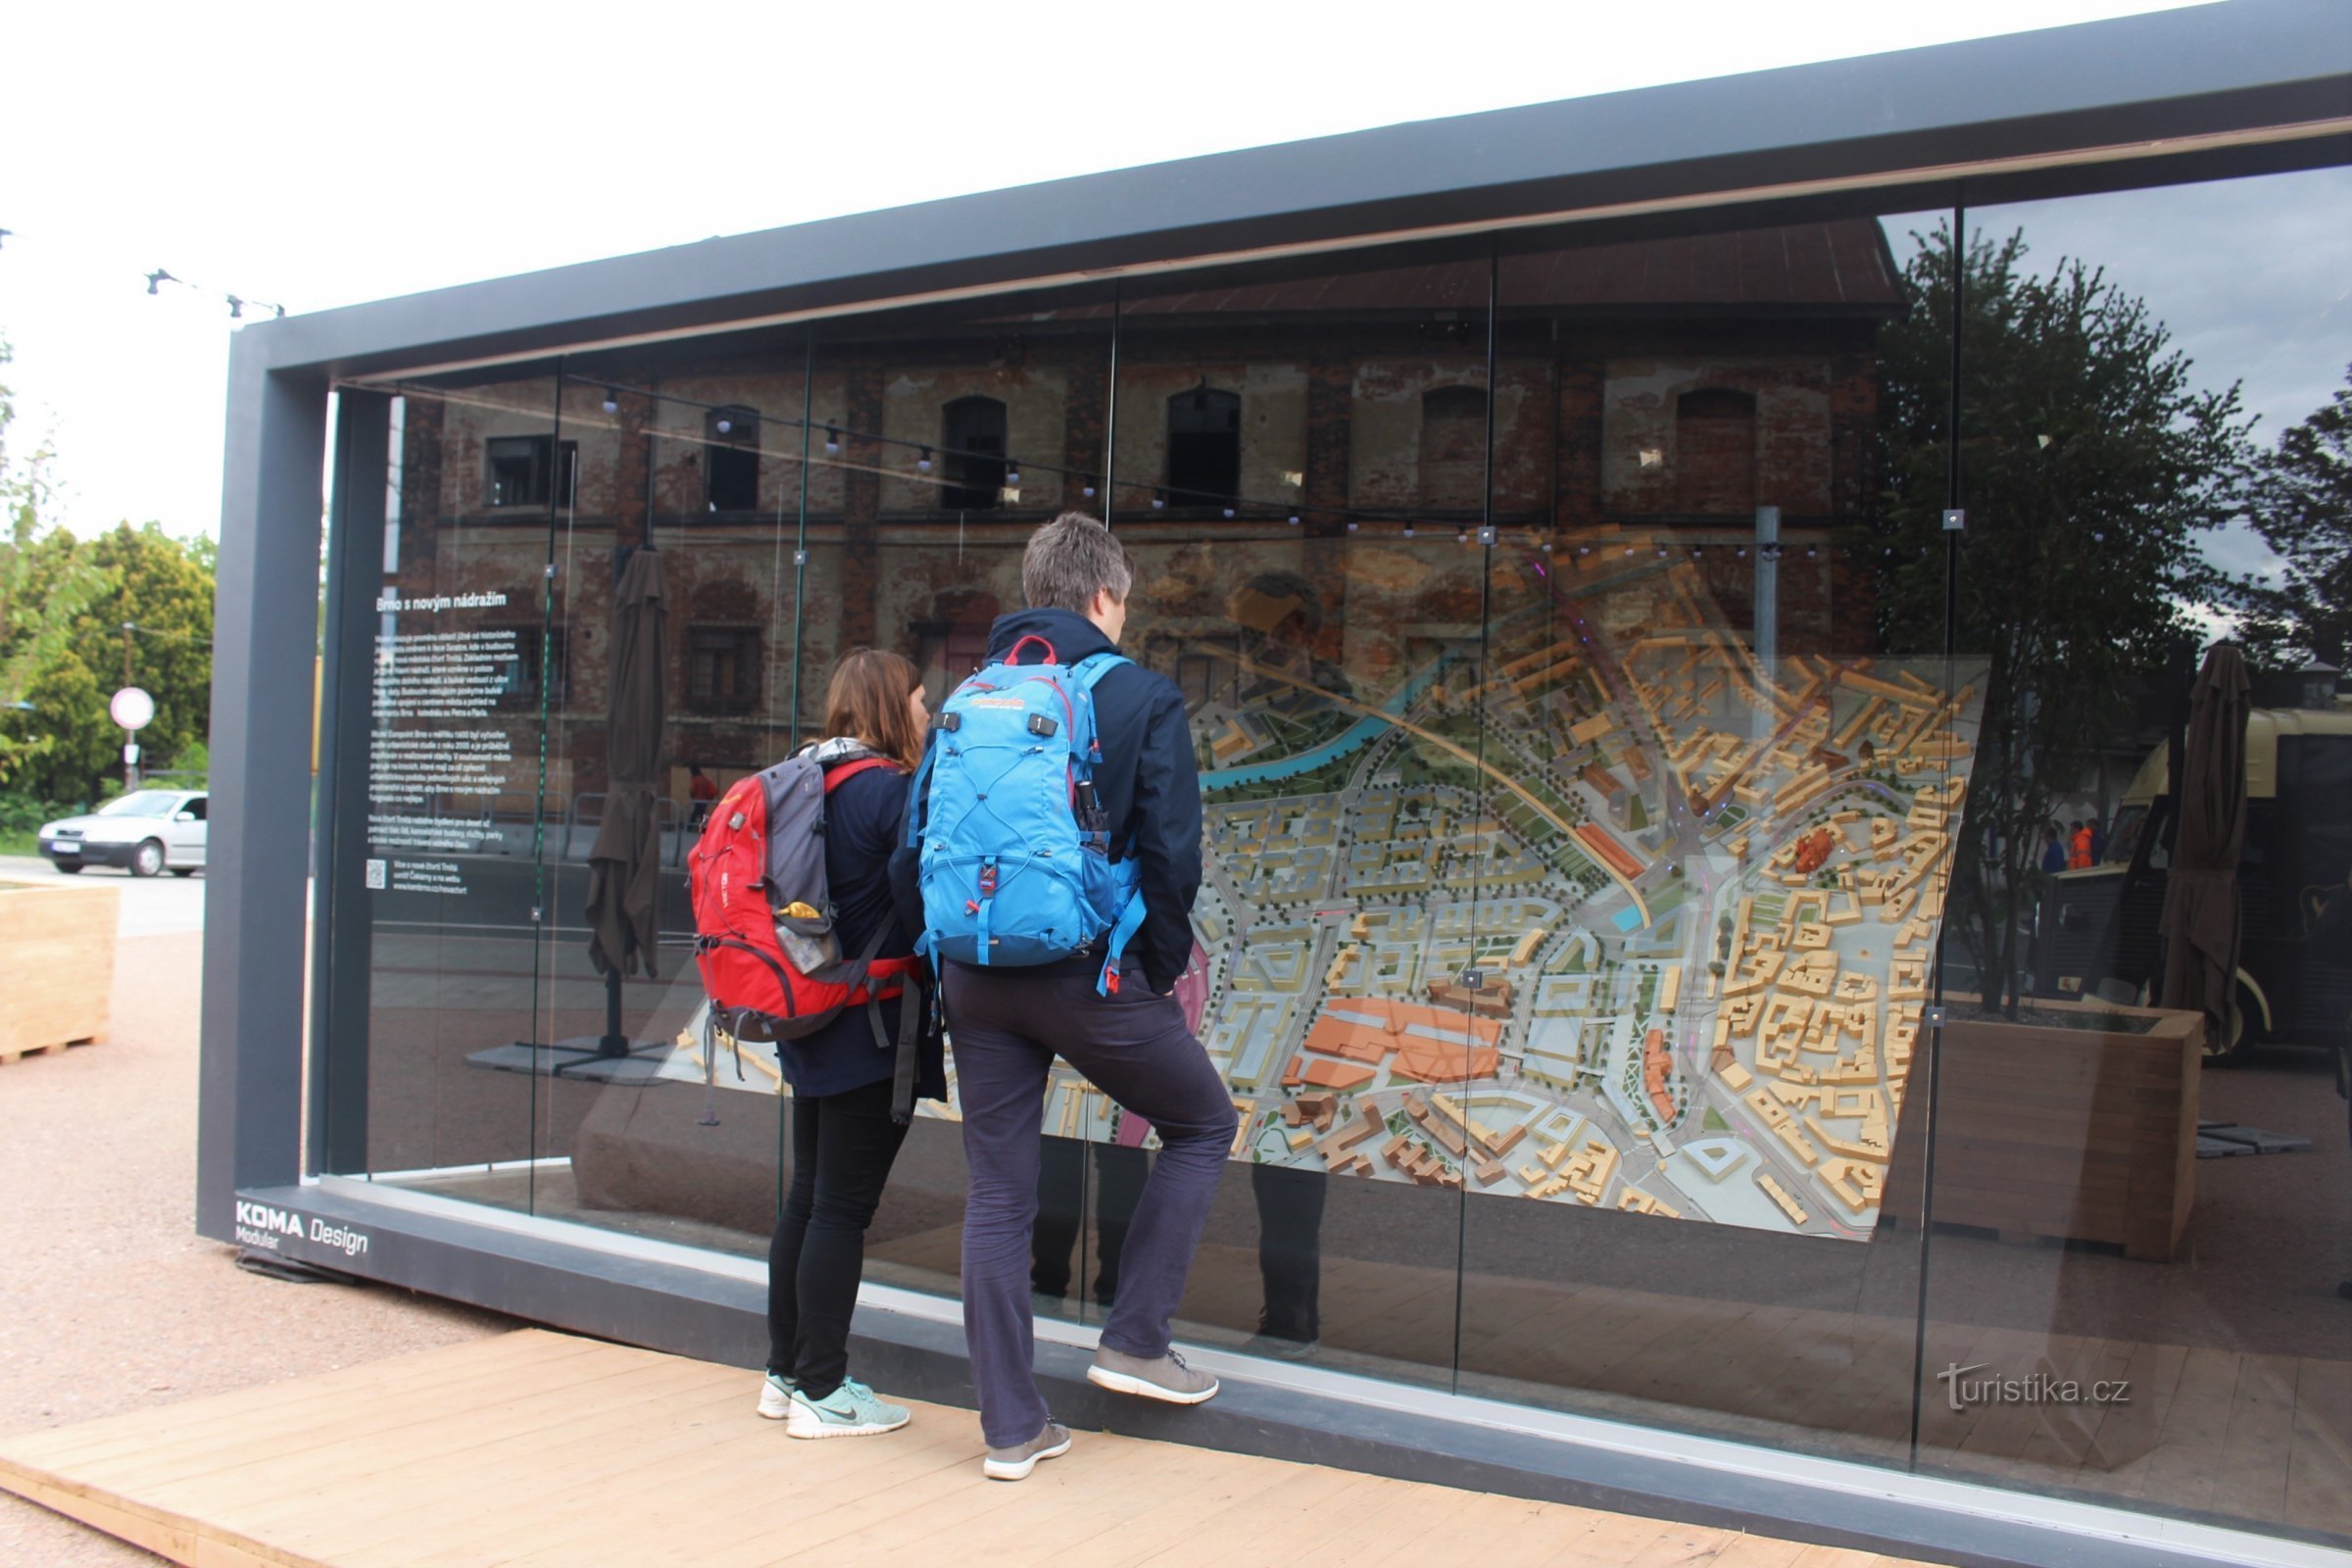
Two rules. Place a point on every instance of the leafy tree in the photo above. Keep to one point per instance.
(36, 617)
(2302, 507)
(2089, 460)
(162, 588)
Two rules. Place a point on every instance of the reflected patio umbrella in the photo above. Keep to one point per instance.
(2200, 897)
(624, 863)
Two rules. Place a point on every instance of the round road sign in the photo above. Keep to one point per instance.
(131, 707)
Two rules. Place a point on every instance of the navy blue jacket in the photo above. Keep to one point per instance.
(1147, 781)
(863, 817)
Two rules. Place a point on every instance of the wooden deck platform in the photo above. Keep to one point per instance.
(538, 1449)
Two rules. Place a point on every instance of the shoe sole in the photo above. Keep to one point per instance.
(1127, 1382)
(1008, 1470)
(865, 1429)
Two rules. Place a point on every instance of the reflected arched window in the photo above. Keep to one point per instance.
(1454, 447)
(1715, 452)
(731, 471)
(1205, 447)
(971, 447)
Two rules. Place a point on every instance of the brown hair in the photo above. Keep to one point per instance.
(866, 701)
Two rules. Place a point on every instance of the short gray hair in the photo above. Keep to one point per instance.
(1069, 560)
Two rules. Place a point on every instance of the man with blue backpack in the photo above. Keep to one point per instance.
(1054, 836)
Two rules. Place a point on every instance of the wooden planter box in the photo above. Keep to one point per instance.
(57, 965)
(2049, 1131)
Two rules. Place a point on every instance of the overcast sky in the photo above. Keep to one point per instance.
(320, 155)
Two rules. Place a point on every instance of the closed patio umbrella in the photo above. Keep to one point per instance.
(625, 862)
(2200, 897)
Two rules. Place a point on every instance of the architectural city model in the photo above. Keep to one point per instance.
(1619, 918)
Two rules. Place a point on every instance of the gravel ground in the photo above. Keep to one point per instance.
(109, 1299)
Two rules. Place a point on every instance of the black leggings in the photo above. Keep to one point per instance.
(842, 1149)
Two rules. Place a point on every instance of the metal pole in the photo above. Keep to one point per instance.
(130, 737)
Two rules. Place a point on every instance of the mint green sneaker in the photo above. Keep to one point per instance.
(775, 1397)
(849, 1411)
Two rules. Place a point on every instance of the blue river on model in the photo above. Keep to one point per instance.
(1360, 733)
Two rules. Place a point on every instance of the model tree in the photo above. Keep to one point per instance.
(2301, 505)
(2089, 458)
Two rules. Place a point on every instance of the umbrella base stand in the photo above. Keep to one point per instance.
(608, 1058)
(582, 1060)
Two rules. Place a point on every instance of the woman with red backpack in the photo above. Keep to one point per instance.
(844, 1136)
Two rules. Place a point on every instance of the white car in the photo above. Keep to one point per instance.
(147, 831)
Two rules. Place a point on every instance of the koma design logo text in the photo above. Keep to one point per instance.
(265, 1227)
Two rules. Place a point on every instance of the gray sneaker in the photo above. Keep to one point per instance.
(1014, 1464)
(1164, 1377)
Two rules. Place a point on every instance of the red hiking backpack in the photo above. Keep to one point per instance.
(771, 974)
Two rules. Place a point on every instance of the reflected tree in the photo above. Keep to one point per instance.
(2089, 458)
(2302, 507)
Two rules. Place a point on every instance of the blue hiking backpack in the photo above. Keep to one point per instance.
(1015, 866)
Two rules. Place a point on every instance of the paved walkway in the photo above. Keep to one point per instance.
(538, 1449)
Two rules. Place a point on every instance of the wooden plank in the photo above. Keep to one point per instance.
(477, 1504)
(696, 1485)
(1286, 1534)
(262, 1438)
(2129, 1438)
(1233, 1532)
(477, 1469)
(552, 1453)
(2196, 1427)
(1754, 1551)
(2251, 1484)
(2319, 1467)
(349, 1388)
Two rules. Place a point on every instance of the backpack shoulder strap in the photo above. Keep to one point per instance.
(1093, 666)
(841, 774)
(918, 794)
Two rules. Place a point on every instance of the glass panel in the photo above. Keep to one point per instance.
(1299, 467)
(670, 599)
(2111, 1313)
(444, 928)
(1708, 903)
(990, 421)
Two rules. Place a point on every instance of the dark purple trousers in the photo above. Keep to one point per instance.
(1006, 1027)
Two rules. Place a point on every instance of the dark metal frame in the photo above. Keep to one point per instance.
(2247, 88)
